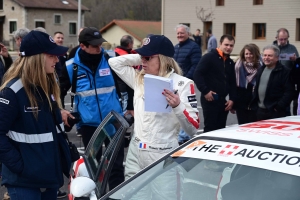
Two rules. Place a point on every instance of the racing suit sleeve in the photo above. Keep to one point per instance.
(122, 65)
(9, 155)
(187, 112)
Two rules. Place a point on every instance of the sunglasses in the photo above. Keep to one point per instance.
(147, 58)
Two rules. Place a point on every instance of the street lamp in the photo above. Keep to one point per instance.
(79, 16)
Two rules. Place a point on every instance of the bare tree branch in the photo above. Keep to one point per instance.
(205, 14)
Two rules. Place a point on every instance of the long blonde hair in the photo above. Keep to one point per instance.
(31, 71)
(166, 65)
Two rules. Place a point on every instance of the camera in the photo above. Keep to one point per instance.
(72, 121)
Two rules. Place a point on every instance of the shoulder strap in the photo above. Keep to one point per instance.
(74, 84)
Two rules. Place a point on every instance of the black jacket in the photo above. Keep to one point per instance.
(279, 92)
(214, 74)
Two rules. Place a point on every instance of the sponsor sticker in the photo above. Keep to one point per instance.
(5, 101)
(250, 155)
(194, 105)
(192, 98)
(104, 72)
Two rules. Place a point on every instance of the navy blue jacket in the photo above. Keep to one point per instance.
(187, 55)
(213, 73)
(31, 149)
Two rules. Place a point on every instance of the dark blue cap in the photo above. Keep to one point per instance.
(156, 44)
(36, 42)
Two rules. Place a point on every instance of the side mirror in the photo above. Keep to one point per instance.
(82, 186)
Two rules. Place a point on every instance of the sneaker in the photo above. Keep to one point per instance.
(61, 194)
(78, 134)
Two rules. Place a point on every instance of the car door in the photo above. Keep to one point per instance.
(103, 148)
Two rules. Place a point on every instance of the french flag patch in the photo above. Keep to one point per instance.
(143, 145)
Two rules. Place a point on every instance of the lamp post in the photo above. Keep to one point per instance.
(79, 16)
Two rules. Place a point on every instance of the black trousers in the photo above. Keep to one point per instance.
(245, 116)
(117, 173)
(263, 114)
(214, 114)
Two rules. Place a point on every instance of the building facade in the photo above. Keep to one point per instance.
(114, 30)
(54, 15)
(249, 21)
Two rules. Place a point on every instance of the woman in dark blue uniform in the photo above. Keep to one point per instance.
(32, 149)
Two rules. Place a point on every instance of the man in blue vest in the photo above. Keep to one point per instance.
(96, 93)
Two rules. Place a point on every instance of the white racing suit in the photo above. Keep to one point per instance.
(155, 134)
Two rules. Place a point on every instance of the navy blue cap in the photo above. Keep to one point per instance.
(156, 44)
(37, 42)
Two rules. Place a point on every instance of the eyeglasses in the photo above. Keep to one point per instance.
(147, 58)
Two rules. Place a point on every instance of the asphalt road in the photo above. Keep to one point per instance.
(77, 140)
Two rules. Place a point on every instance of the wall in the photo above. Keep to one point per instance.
(48, 17)
(275, 13)
(114, 34)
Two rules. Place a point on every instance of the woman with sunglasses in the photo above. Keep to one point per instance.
(156, 131)
(33, 152)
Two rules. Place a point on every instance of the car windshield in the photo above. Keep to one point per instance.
(194, 177)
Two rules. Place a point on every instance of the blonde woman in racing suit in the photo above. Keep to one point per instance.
(157, 130)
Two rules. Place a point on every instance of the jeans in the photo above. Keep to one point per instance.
(23, 193)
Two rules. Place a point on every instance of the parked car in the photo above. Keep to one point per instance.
(255, 161)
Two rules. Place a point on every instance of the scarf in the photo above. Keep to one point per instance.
(90, 60)
(245, 73)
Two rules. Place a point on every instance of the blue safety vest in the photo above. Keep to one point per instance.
(96, 92)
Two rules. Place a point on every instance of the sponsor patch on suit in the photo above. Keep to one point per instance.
(192, 98)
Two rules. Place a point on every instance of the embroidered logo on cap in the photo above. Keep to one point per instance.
(51, 39)
(96, 33)
(147, 41)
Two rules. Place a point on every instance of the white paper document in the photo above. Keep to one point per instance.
(285, 56)
(155, 101)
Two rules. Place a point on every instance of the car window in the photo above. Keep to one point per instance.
(206, 177)
(98, 157)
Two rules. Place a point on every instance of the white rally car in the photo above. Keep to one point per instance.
(256, 161)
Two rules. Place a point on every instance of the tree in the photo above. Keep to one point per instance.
(205, 14)
(104, 11)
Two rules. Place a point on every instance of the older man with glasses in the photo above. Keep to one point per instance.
(287, 57)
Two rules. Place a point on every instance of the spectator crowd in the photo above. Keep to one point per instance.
(258, 85)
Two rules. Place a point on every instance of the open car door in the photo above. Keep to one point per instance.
(99, 158)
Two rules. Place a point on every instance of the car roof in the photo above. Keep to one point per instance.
(280, 131)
